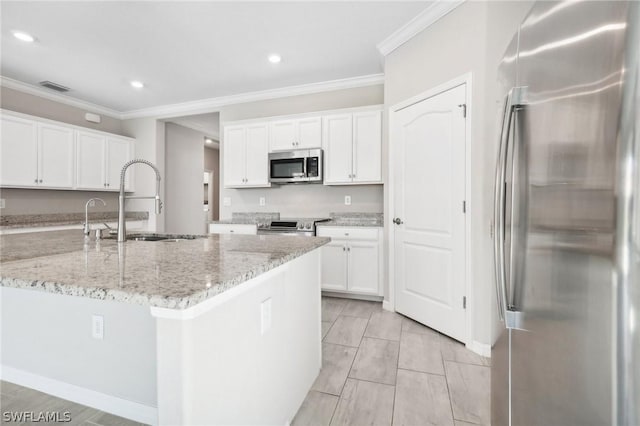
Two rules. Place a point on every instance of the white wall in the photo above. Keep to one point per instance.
(149, 134)
(49, 335)
(301, 200)
(184, 166)
(472, 39)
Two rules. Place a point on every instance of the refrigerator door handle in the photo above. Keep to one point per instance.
(513, 100)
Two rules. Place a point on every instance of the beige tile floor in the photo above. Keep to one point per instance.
(18, 399)
(380, 368)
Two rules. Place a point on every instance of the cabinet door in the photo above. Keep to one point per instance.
(234, 156)
(337, 142)
(55, 156)
(18, 152)
(334, 266)
(282, 135)
(90, 161)
(119, 152)
(257, 155)
(309, 133)
(367, 146)
(363, 266)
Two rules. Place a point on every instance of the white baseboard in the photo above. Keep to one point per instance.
(100, 401)
(386, 305)
(480, 348)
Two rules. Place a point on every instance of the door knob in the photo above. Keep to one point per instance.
(398, 221)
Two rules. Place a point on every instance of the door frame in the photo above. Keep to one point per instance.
(458, 81)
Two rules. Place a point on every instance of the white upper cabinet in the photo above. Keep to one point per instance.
(18, 152)
(100, 159)
(353, 148)
(302, 133)
(257, 157)
(40, 153)
(245, 156)
(119, 151)
(367, 147)
(338, 148)
(55, 156)
(90, 164)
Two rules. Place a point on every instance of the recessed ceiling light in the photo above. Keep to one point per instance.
(137, 84)
(22, 36)
(275, 59)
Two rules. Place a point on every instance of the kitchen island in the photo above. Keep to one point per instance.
(214, 330)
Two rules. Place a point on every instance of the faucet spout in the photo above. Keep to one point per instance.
(92, 202)
(122, 232)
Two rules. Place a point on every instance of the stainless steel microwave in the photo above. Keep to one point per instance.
(296, 166)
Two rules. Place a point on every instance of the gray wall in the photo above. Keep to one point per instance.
(42, 201)
(302, 200)
(184, 166)
(472, 39)
(212, 163)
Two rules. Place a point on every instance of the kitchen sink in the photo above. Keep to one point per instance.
(159, 237)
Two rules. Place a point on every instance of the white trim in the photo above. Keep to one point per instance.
(100, 401)
(200, 106)
(57, 97)
(214, 104)
(424, 20)
(387, 306)
(463, 79)
(482, 349)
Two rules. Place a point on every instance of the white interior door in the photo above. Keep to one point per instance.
(428, 142)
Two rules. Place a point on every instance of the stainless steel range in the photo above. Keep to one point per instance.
(304, 227)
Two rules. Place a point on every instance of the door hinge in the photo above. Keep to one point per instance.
(464, 109)
(464, 207)
(464, 302)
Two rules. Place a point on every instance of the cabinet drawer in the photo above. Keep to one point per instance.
(359, 233)
(220, 228)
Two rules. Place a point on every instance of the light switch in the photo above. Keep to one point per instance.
(347, 200)
(265, 316)
(226, 201)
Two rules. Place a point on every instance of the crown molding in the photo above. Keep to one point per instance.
(214, 104)
(57, 97)
(200, 106)
(424, 20)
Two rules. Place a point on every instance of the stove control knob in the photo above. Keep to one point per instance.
(308, 226)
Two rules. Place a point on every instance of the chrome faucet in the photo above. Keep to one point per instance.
(92, 202)
(122, 232)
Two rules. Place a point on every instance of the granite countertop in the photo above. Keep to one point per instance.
(61, 219)
(355, 219)
(167, 274)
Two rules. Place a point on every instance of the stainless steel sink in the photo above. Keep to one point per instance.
(159, 237)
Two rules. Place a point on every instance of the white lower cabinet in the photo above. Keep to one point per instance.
(233, 228)
(352, 261)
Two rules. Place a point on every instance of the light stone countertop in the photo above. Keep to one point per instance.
(168, 274)
(61, 219)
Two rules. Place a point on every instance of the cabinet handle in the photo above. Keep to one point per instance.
(36, 180)
(346, 234)
(348, 248)
(344, 248)
(40, 180)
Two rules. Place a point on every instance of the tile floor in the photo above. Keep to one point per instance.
(380, 368)
(18, 399)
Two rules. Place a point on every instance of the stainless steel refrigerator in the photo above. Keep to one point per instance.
(567, 219)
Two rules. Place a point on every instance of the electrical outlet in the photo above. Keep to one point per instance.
(262, 201)
(97, 327)
(347, 200)
(226, 201)
(2, 203)
(265, 316)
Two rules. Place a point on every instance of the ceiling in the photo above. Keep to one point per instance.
(186, 51)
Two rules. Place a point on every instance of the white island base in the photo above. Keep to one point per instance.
(246, 356)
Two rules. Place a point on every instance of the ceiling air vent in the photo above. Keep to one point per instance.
(54, 86)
